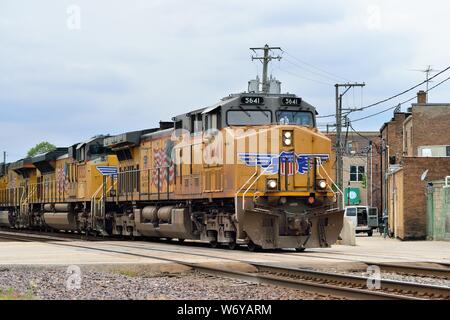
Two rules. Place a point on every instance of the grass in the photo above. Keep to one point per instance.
(128, 273)
(11, 294)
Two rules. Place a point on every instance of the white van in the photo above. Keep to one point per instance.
(364, 218)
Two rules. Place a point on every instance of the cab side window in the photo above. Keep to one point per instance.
(196, 123)
(212, 121)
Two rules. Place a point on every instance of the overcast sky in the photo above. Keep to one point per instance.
(73, 69)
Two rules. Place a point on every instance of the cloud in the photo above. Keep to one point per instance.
(134, 63)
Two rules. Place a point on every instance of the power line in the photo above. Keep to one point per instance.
(394, 96)
(403, 92)
(401, 103)
(312, 72)
(314, 67)
(353, 129)
(305, 78)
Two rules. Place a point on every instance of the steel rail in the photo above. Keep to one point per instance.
(417, 289)
(309, 286)
(400, 268)
(309, 275)
(386, 284)
(29, 237)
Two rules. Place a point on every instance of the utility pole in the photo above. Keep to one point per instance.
(338, 145)
(4, 162)
(265, 59)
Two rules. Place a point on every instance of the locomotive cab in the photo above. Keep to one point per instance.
(263, 151)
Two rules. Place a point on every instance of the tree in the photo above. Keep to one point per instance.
(40, 148)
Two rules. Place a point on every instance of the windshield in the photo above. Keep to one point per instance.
(248, 117)
(301, 118)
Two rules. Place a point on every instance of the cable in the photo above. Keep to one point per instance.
(305, 78)
(353, 129)
(318, 69)
(303, 68)
(394, 96)
(401, 103)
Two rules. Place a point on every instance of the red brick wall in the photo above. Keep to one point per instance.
(392, 135)
(415, 202)
(431, 125)
(376, 177)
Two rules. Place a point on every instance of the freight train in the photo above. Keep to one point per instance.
(252, 169)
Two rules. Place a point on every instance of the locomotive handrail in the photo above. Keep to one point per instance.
(93, 204)
(246, 191)
(326, 173)
(124, 173)
(242, 187)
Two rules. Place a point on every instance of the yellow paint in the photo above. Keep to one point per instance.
(197, 180)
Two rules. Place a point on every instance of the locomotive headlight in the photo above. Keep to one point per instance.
(321, 184)
(272, 184)
(287, 138)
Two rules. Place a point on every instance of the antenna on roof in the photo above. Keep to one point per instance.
(427, 72)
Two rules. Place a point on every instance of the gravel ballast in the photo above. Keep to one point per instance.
(50, 283)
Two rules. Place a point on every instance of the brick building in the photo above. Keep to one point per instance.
(415, 145)
(361, 167)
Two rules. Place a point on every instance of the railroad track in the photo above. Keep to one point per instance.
(327, 283)
(12, 236)
(31, 237)
(352, 281)
(404, 269)
(337, 290)
(407, 268)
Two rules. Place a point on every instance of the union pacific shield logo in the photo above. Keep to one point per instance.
(283, 163)
(268, 162)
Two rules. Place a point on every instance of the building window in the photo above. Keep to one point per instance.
(447, 148)
(357, 173)
(349, 146)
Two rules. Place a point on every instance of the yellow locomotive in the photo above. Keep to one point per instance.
(251, 169)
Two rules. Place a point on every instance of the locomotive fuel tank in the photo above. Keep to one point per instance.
(4, 219)
(150, 213)
(60, 220)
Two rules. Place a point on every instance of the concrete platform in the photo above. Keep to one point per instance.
(368, 249)
(394, 249)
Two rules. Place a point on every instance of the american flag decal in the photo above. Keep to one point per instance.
(62, 182)
(287, 160)
(163, 166)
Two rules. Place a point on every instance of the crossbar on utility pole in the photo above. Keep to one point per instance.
(338, 143)
(266, 58)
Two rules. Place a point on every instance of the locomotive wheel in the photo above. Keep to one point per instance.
(252, 247)
(181, 240)
(232, 245)
(214, 244)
